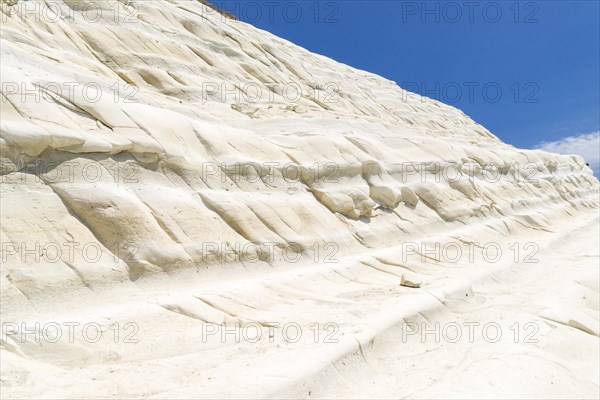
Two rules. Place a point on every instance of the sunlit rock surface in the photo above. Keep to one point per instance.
(168, 173)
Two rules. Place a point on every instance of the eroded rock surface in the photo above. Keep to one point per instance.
(170, 167)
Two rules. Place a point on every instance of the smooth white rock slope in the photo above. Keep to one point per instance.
(168, 207)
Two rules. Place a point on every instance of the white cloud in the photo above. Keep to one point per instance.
(587, 146)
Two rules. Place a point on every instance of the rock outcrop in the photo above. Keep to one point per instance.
(167, 167)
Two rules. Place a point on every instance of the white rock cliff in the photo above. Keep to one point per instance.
(168, 173)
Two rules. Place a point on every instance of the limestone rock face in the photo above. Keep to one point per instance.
(166, 167)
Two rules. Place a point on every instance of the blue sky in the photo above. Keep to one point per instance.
(529, 70)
